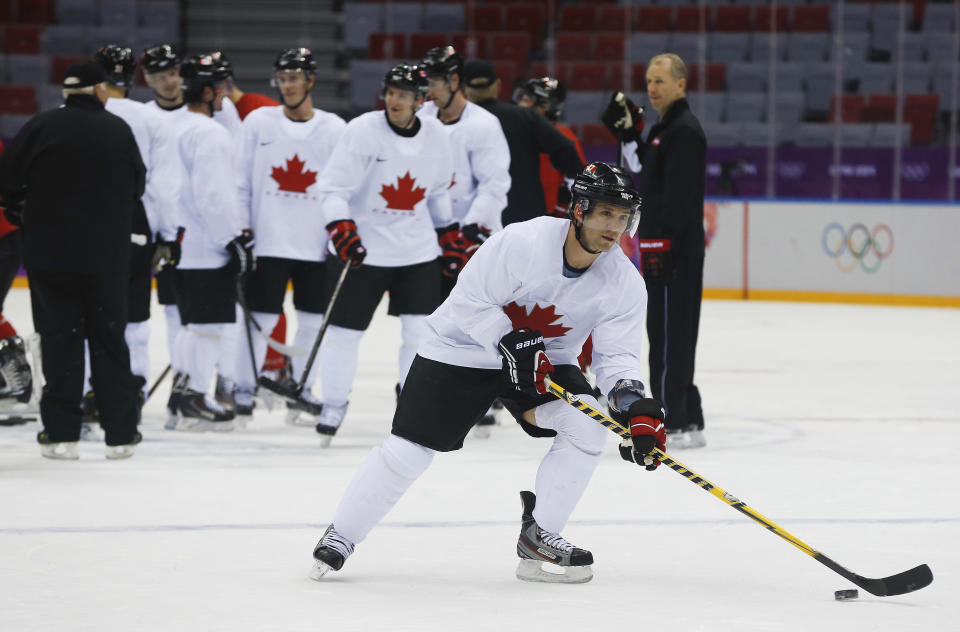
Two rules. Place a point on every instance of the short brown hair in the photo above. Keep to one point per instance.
(678, 69)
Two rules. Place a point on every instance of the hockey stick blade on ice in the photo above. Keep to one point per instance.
(899, 584)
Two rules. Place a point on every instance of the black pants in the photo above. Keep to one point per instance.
(673, 319)
(11, 256)
(68, 307)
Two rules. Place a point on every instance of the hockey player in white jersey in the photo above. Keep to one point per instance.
(385, 200)
(161, 70)
(216, 247)
(536, 289)
(481, 157)
(282, 149)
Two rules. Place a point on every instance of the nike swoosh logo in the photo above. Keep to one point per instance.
(265, 143)
(381, 159)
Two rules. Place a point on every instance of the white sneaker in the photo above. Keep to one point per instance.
(63, 451)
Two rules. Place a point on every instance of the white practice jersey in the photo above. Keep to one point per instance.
(481, 165)
(277, 181)
(516, 279)
(228, 117)
(157, 142)
(208, 195)
(393, 187)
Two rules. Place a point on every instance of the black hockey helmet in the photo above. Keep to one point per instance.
(442, 62)
(203, 70)
(159, 58)
(118, 62)
(406, 77)
(547, 92)
(602, 182)
(296, 59)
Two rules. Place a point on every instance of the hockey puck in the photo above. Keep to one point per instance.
(843, 595)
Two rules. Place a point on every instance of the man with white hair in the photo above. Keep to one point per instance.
(78, 171)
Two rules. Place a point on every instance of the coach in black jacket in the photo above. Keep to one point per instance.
(528, 135)
(79, 173)
(671, 185)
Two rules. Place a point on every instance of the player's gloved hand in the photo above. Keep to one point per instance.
(476, 234)
(644, 416)
(656, 260)
(525, 361)
(346, 241)
(454, 249)
(166, 254)
(241, 253)
(563, 202)
(623, 118)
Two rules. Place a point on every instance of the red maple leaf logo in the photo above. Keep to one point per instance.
(539, 319)
(403, 197)
(294, 178)
(453, 180)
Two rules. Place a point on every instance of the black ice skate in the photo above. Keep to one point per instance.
(200, 413)
(330, 553)
(17, 381)
(536, 547)
(329, 422)
(223, 393)
(306, 403)
(179, 385)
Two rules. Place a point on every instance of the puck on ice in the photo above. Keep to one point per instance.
(843, 595)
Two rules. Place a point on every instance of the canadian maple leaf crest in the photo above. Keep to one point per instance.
(540, 319)
(294, 178)
(404, 196)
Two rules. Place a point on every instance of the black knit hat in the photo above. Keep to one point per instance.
(82, 74)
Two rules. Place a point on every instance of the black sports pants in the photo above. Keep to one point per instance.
(673, 319)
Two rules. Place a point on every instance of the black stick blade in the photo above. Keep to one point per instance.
(899, 584)
(290, 394)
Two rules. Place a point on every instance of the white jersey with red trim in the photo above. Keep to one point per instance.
(481, 165)
(516, 279)
(208, 195)
(394, 187)
(279, 162)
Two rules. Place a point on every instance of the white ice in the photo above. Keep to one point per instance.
(841, 423)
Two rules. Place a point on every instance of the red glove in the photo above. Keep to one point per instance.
(646, 433)
(454, 247)
(346, 241)
(525, 362)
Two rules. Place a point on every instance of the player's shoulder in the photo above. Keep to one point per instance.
(262, 115)
(536, 232)
(622, 273)
(480, 116)
(430, 124)
(329, 119)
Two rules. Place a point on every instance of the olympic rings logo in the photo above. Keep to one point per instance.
(857, 245)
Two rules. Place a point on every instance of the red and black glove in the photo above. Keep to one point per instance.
(525, 361)
(346, 241)
(454, 249)
(474, 235)
(644, 416)
(623, 118)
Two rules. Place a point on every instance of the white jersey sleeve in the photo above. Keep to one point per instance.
(490, 166)
(438, 197)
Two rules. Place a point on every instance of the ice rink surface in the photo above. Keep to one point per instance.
(841, 423)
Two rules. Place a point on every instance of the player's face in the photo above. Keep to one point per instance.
(166, 83)
(439, 90)
(526, 101)
(662, 88)
(293, 85)
(401, 105)
(603, 226)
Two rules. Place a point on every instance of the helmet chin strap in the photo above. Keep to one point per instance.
(576, 232)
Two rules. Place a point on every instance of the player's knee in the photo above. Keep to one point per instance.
(413, 328)
(406, 458)
(583, 432)
(342, 338)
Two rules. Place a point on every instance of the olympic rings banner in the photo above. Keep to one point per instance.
(848, 252)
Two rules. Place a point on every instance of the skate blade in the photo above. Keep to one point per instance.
(325, 440)
(203, 425)
(319, 570)
(537, 571)
(116, 452)
(299, 419)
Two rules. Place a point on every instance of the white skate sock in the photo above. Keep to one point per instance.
(201, 348)
(138, 340)
(242, 370)
(230, 337)
(413, 328)
(338, 363)
(378, 484)
(172, 316)
(308, 326)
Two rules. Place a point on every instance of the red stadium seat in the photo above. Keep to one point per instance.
(578, 19)
(588, 75)
(652, 19)
(59, 65)
(920, 110)
(573, 47)
(763, 18)
(507, 74)
(612, 19)
(511, 47)
(733, 19)
(420, 43)
(471, 46)
(608, 47)
(387, 46)
(36, 11)
(17, 100)
(484, 17)
(691, 19)
(880, 108)
(594, 135)
(716, 77)
(23, 39)
(851, 105)
(527, 18)
(812, 18)
(6, 11)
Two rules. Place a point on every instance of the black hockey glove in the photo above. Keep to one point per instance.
(525, 361)
(167, 252)
(656, 260)
(475, 234)
(623, 118)
(644, 416)
(346, 241)
(241, 253)
(454, 250)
